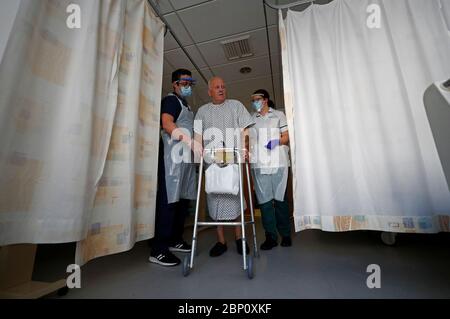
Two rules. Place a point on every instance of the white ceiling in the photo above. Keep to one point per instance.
(201, 25)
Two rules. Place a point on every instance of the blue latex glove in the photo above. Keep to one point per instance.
(272, 144)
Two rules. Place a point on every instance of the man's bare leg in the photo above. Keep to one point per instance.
(220, 234)
(238, 229)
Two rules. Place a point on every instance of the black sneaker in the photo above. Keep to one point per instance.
(218, 249)
(165, 259)
(182, 247)
(286, 242)
(239, 247)
(269, 243)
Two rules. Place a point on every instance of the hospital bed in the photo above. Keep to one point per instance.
(437, 105)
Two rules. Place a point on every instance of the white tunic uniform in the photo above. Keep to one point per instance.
(269, 167)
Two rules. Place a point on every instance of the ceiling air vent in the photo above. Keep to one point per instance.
(237, 48)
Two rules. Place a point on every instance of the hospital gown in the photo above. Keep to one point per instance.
(225, 118)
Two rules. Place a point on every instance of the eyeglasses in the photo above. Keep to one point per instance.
(186, 82)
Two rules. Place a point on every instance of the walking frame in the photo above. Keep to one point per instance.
(188, 262)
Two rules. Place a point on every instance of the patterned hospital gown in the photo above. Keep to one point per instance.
(230, 115)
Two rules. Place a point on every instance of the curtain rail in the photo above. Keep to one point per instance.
(270, 54)
(287, 6)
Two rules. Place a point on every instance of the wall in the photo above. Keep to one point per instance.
(8, 11)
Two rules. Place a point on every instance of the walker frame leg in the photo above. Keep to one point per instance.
(188, 262)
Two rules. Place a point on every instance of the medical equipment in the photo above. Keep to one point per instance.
(437, 105)
(188, 262)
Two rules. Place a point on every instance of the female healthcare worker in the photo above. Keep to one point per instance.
(270, 163)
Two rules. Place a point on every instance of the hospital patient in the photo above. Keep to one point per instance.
(214, 126)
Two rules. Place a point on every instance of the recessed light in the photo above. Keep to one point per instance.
(446, 85)
(245, 70)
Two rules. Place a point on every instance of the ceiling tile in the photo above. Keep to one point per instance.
(169, 42)
(178, 58)
(260, 66)
(164, 6)
(223, 18)
(181, 4)
(179, 30)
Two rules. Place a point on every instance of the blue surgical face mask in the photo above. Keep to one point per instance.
(186, 91)
(257, 105)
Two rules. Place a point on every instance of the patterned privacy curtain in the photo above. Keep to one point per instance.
(79, 125)
(363, 155)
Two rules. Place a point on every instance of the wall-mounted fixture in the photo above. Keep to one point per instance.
(245, 70)
(237, 48)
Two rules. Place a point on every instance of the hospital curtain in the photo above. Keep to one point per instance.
(79, 125)
(363, 155)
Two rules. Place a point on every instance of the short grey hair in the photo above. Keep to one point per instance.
(212, 79)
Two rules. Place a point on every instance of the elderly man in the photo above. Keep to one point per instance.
(215, 127)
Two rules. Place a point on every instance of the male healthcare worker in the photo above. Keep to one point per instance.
(270, 163)
(176, 172)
